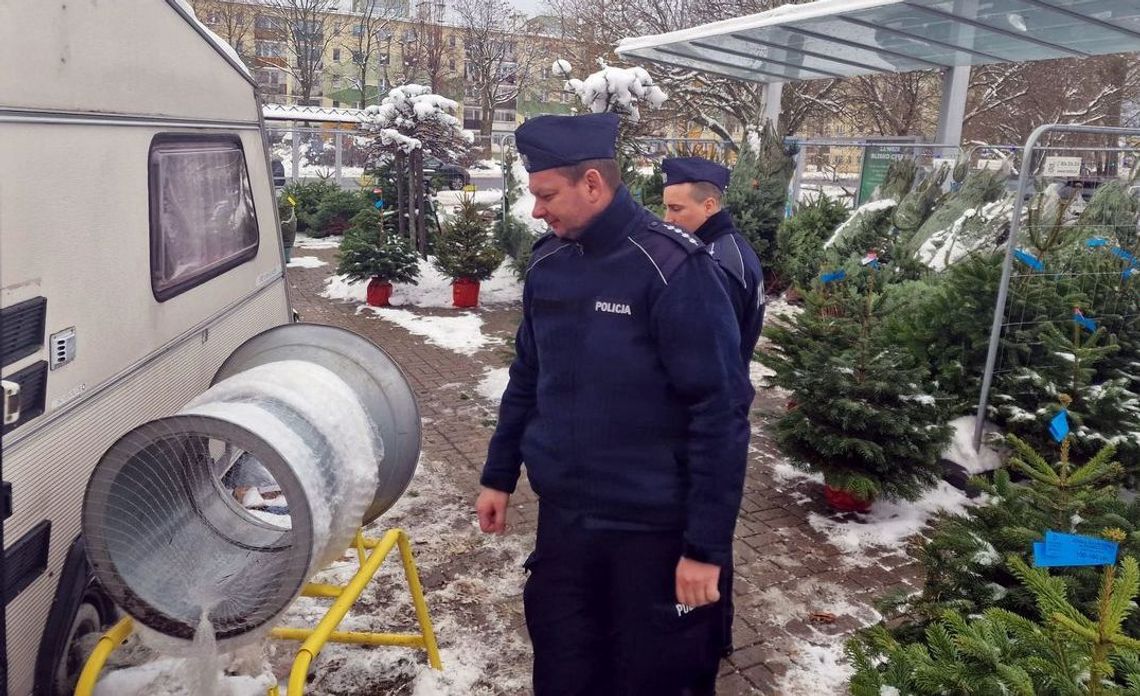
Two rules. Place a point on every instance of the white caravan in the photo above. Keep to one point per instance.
(138, 248)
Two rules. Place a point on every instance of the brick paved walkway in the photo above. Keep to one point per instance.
(786, 570)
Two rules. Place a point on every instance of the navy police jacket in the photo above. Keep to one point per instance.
(745, 279)
(626, 400)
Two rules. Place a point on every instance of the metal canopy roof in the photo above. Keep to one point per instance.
(843, 38)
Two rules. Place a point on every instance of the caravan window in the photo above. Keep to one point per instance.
(202, 221)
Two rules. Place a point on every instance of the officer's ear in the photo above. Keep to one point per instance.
(595, 183)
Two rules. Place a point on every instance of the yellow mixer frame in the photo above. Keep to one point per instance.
(370, 555)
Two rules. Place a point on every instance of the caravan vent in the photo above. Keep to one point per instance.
(23, 332)
(33, 389)
(26, 560)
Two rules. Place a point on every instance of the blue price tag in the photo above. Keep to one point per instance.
(1086, 322)
(1059, 426)
(1097, 242)
(833, 276)
(379, 204)
(1127, 256)
(1029, 260)
(1067, 550)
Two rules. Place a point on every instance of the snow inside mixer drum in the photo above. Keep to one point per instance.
(190, 513)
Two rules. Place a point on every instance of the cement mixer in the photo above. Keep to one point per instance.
(223, 511)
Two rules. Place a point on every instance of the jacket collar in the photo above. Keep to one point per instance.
(609, 228)
(716, 227)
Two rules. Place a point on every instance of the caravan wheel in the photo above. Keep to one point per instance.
(76, 650)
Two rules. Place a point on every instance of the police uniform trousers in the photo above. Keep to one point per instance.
(603, 616)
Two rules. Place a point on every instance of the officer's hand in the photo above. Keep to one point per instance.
(492, 510)
(697, 582)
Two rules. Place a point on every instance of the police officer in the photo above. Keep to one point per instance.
(624, 403)
(694, 187)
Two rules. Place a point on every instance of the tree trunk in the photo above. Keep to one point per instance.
(364, 85)
(399, 173)
(486, 123)
(420, 200)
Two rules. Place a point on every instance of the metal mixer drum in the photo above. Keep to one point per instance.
(377, 379)
(168, 539)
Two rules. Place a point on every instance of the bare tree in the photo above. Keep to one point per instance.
(497, 65)
(232, 21)
(892, 103)
(368, 35)
(1007, 101)
(309, 27)
(718, 103)
(426, 47)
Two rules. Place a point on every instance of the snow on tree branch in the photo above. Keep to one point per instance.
(411, 114)
(619, 90)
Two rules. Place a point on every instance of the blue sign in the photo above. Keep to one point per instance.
(1059, 426)
(1097, 242)
(1029, 260)
(1067, 550)
(1087, 323)
(833, 276)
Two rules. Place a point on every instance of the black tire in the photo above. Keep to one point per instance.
(455, 183)
(80, 607)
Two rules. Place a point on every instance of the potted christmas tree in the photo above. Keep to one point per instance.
(861, 416)
(371, 251)
(466, 252)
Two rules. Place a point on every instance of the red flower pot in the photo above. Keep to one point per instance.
(465, 292)
(379, 292)
(843, 501)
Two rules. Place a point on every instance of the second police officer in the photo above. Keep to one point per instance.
(627, 403)
(694, 187)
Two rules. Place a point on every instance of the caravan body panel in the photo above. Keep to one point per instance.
(99, 84)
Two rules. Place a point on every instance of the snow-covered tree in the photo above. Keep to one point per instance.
(620, 90)
(411, 120)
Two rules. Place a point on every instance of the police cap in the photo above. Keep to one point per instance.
(684, 170)
(546, 142)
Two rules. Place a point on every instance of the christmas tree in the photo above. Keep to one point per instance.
(861, 417)
(800, 239)
(758, 190)
(963, 558)
(979, 188)
(914, 207)
(1000, 652)
(465, 248)
(947, 326)
(371, 249)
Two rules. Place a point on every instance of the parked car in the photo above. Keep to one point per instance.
(278, 169)
(445, 174)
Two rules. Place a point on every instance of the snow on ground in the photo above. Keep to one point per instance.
(319, 171)
(433, 289)
(472, 585)
(452, 199)
(493, 384)
(306, 242)
(889, 524)
(305, 262)
(759, 374)
(817, 669)
(486, 167)
(462, 333)
(961, 448)
(175, 676)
